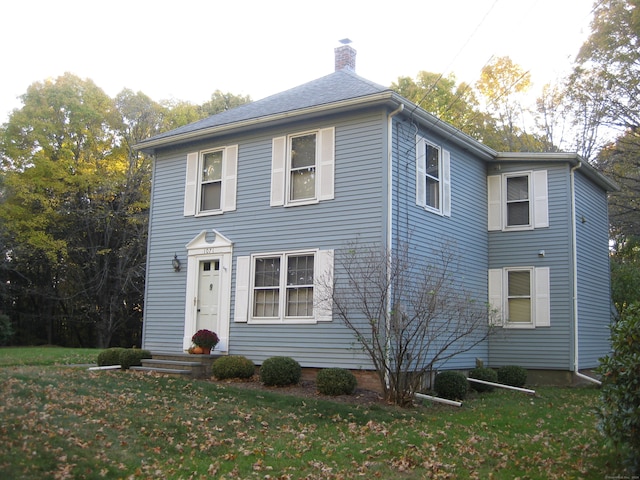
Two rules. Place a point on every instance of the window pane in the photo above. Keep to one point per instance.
(520, 310)
(300, 270)
(518, 213)
(303, 184)
(433, 155)
(303, 151)
(212, 166)
(519, 283)
(267, 272)
(265, 302)
(211, 196)
(517, 188)
(300, 302)
(433, 193)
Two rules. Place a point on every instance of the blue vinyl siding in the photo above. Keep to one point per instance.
(256, 227)
(544, 347)
(428, 234)
(594, 297)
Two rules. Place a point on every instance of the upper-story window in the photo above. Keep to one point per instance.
(433, 185)
(518, 201)
(211, 181)
(302, 168)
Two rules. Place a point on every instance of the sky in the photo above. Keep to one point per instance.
(186, 50)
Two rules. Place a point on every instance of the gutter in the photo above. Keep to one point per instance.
(574, 246)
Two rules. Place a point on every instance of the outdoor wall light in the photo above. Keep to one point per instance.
(175, 262)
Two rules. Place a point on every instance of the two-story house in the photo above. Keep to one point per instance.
(251, 206)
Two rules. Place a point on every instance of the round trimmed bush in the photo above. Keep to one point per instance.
(512, 375)
(280, 371)
(130, 357)
(110, 356)
(336, 381)
(486, 374)
(451, 385)
(233, 366)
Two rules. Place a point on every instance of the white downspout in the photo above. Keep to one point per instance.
(574, 246)
(390, 220)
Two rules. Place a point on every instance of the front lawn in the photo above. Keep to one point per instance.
(62, 422)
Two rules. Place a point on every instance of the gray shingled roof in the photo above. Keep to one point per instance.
(341, 85)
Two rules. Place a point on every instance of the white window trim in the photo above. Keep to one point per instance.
(322, 300)
(444, 180)
(228, 187)
(281, 168)
(505, 210)
(497, 203)
(540, 297)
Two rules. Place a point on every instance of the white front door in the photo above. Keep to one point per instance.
(207, 304)
(208, 295)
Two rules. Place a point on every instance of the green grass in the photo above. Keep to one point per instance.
(46, 355)
(70, 423)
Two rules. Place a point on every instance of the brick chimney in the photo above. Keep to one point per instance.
(345, 56)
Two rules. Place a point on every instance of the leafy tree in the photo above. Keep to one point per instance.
(625, 274)
(73, 190)
(619, 409)
(408, 314)
(221, 102)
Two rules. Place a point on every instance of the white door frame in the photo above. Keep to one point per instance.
(199, 250)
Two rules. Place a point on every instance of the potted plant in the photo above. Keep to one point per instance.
(205, 339)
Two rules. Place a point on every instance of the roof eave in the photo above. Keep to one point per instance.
(149, 146)
(569, 157)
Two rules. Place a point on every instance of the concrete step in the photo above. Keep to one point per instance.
(166, 371)
(179, 364)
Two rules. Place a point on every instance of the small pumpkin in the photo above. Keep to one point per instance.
(197, 350)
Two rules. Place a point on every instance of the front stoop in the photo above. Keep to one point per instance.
(181, 365)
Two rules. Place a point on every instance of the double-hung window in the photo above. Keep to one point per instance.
(291, 287)
(518, 201)
(302, 168)
(520, 296)
(210, 186)
(433, 185)
(283, 286)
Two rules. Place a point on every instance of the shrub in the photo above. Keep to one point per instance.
(486, 374)
(336, 381)
(125, 357)
(110, 356)
(130, 357)
(512, 375)
(618, 413)
(280, 371)
(451, 385)
(232, 366)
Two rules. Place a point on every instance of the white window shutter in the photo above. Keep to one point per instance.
(446, 183)
(243, 267)
(278, 170)
(421, 171)
(494, 202)
(542, 300)
(326, 163)
(230, 178)
(323, 286)
(495, 297)
(540, 199)
(191, 185)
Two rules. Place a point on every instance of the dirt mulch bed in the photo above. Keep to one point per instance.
(307, 389)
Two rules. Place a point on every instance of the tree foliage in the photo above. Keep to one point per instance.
(74, 202)
(619, 409)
